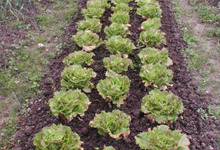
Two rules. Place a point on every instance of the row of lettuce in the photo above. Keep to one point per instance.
(159, 105)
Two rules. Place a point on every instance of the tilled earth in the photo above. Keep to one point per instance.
(200, 132)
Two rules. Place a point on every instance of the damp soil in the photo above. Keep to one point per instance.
(201, 133)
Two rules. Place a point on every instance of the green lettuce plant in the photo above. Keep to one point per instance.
(117, 64)
(152, 23)
(69, 104)
(57, 137)
(156, 75)
(121, 7)
(115, 123)
(120, 1)
(150, 11)
(120, 45)
(108, 148)
(98, 4)
(87, 40)
(120, 17)
(141, 3)
(116, 29)
(153, 56)
(93, 25)
(75, 76)
(79, 58)
(93, 13)
(152, 37)
(162, 107)
(162, 138)
(114, 88)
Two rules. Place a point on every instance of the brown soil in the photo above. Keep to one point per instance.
(200, 132)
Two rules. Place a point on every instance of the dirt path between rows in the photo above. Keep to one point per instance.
(201, 133)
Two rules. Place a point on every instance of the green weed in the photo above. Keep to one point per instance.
(214, 111)
(208, 14)
(13, 7)
(40, 39)
(190, 38)
(193, 2)
(17, 24)
(26, 63)
(213, 32)
(59, 5)
(45, 20)
(8, 129)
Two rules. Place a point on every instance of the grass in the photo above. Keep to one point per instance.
(193, 2)
(26, 63)
(13, 7)
(59, 5)
(22, 72)
(208, 14)
(213, 32)
(202, 52)
(45, 20)
(8, 129)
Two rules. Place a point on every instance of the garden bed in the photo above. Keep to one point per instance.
(190, 122)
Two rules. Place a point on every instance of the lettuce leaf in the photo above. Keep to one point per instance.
(162, 107)
(79, 58)
(57, 137)
(115, 123)
(156, 75)
(162, 138)
(75, 76)
(114, 88)
(70, 104)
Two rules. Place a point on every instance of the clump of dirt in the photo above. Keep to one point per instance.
(190, 122)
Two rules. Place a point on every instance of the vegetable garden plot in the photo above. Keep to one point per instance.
(129, 102)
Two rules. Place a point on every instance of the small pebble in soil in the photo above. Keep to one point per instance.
(137, 112)
(127, 140)
(2, 134)
(110, 105)
(28, 130)
(29, 110)
(84, 131)
(40, 45)
(98, 111)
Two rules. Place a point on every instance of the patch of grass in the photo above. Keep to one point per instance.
(213, 32)
(46, 20)
(215, 111)
(17, 24)
(193, 2)
(40, 39)
(190, 38)
(13, 7)
(3, 106)
(23, 72)
(208, 14)
(196, 60)
(203, 50)
(26, 63)
(8, 129)
(59, 5)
